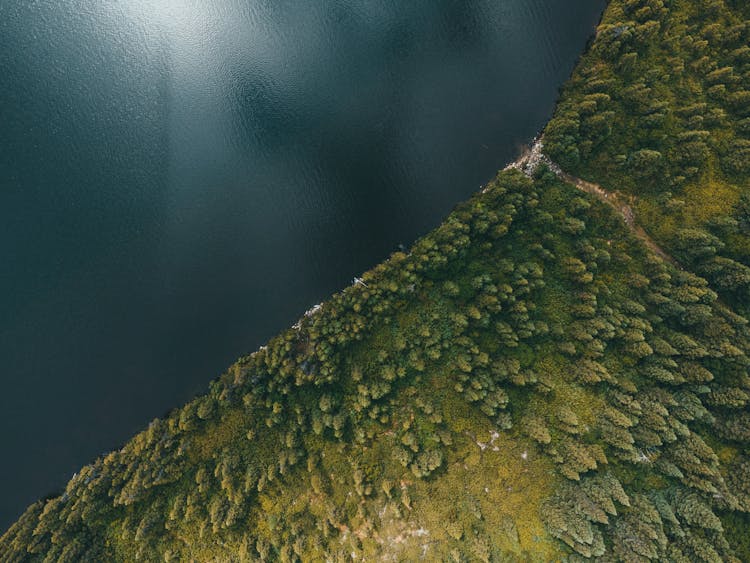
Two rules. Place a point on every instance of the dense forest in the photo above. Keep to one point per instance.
(530, 381)
(659, 109)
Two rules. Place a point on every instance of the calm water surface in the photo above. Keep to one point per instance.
(180, 179)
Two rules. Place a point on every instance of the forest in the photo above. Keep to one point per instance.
(528, 382)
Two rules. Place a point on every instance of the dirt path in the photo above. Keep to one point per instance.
(533, 157)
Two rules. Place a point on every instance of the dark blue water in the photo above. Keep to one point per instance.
(179, 180)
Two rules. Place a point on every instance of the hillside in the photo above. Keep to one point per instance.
(534, 380)
(659, 109)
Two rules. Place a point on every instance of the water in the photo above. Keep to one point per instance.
(179, 180)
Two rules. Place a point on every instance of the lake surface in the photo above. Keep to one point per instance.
(179, 180)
